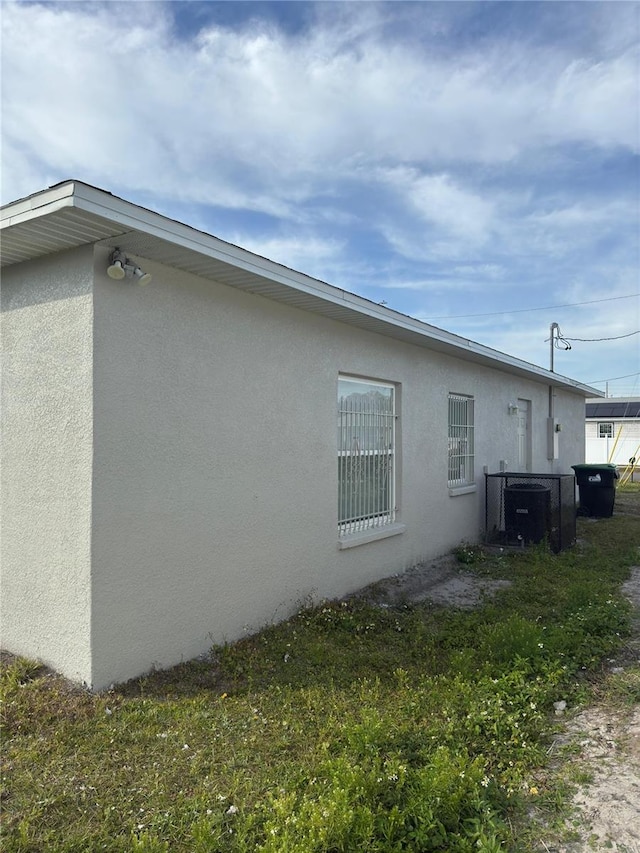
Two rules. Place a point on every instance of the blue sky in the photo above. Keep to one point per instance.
(469, 164)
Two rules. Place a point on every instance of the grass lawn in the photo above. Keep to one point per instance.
(349, 727)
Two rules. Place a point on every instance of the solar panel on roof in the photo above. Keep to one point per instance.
(613, 410)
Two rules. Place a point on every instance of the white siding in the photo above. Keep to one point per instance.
(624, 444)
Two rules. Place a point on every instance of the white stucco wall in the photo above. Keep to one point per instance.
(46, 453)
(215, 494)
(570, 414)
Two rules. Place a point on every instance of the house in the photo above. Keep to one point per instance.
(187, 461)
(612, 431)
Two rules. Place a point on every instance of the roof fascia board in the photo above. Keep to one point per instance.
(36, 205)
(92, 200)
(614, 400)
(128, 216)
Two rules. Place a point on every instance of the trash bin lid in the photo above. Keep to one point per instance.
(603, 466)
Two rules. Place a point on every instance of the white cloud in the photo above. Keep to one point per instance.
(257, 118)
(434, 285)
(487, 271)
(368, 126)
(308, 253)
(467, 278)
(443, 203)
(581, 215)
(598, 102)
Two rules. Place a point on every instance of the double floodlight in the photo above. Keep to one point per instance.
(120, 266)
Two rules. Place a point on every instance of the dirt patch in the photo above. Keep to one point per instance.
(607, 809)
(440, 582)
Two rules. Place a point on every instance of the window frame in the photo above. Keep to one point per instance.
(371, 426)
(605, 424)
(461, 430)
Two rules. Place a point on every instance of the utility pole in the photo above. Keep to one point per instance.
(551, 422)
(553, 329)
(553, 426)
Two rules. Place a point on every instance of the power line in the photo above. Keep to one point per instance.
(592, 340)
(613, 378)
(527, 310)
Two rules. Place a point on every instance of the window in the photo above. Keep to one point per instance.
(366, 448)
(460, 440)
(605, 430)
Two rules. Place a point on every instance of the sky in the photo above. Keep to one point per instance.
(475, 165)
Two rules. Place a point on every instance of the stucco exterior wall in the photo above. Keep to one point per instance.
(215, 472)
(570, 415)
(46, 455)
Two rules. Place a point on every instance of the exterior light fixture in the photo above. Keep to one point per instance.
(117, 263)
(120, 266)
(141, 277)
(513, 409)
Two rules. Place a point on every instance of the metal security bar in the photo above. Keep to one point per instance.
(461, 451)
(366, 447)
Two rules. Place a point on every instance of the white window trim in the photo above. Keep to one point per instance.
(384, 524)
(454, 491)
(459, 485)
(608, 424)
(362, 537)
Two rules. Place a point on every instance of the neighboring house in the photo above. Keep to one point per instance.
(185, 462)
(612, 431)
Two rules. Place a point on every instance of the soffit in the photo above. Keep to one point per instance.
(65, 229)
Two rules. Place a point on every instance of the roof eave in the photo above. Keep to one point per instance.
(123, 222)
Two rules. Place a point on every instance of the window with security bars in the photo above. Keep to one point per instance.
(605, 430)
(461, 451)
(366, 449)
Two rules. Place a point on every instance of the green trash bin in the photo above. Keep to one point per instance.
(597, 487)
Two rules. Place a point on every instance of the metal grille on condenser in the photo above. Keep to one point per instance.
(523, 509)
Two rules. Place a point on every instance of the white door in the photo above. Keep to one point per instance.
(524, 435)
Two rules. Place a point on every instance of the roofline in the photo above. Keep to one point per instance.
(628, 409)
(598, 400)
(128, 216)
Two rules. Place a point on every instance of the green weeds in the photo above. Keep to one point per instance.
(349, 727)
(469, 555)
